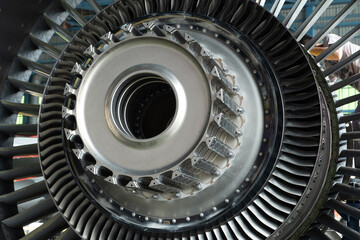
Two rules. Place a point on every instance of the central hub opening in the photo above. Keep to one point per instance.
(143, 106)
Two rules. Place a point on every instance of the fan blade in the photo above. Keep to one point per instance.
(32, 214)
(21, 108)
(17, 129)
(24, 194)
(48, 229)
(22, 172)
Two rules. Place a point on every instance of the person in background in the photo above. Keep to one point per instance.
(348, 71)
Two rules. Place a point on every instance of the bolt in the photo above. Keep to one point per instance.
(240, 110)
(231, 154)
(265, 140)
(261, 154)
(239, 133)
(199, 187)
(267, 126)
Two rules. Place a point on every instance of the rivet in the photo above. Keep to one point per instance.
(92, 180)
(214, 209)
(225, 69)
(247, 60)
(227, 201)
(134, 192)
(101, 191)
(178, 26)
(191, 27)
(247, 180)
(267, 111)
(133, 214)
(261, 84)
(174, 221)
(261, 154)
(146, 218)
(188, 219)
(264, 97)
(231, 154)
(201, 215)
(238, 50)
(265, 140)
(156, 196)
(267, 126)
(199, 187)
(216, 35)
(236, 88)
(237, 191)
(204, 30)
(255, 72)
(160, 220)
(228, 42)
(121, 209)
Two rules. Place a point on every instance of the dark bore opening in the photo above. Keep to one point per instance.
(145, 106)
